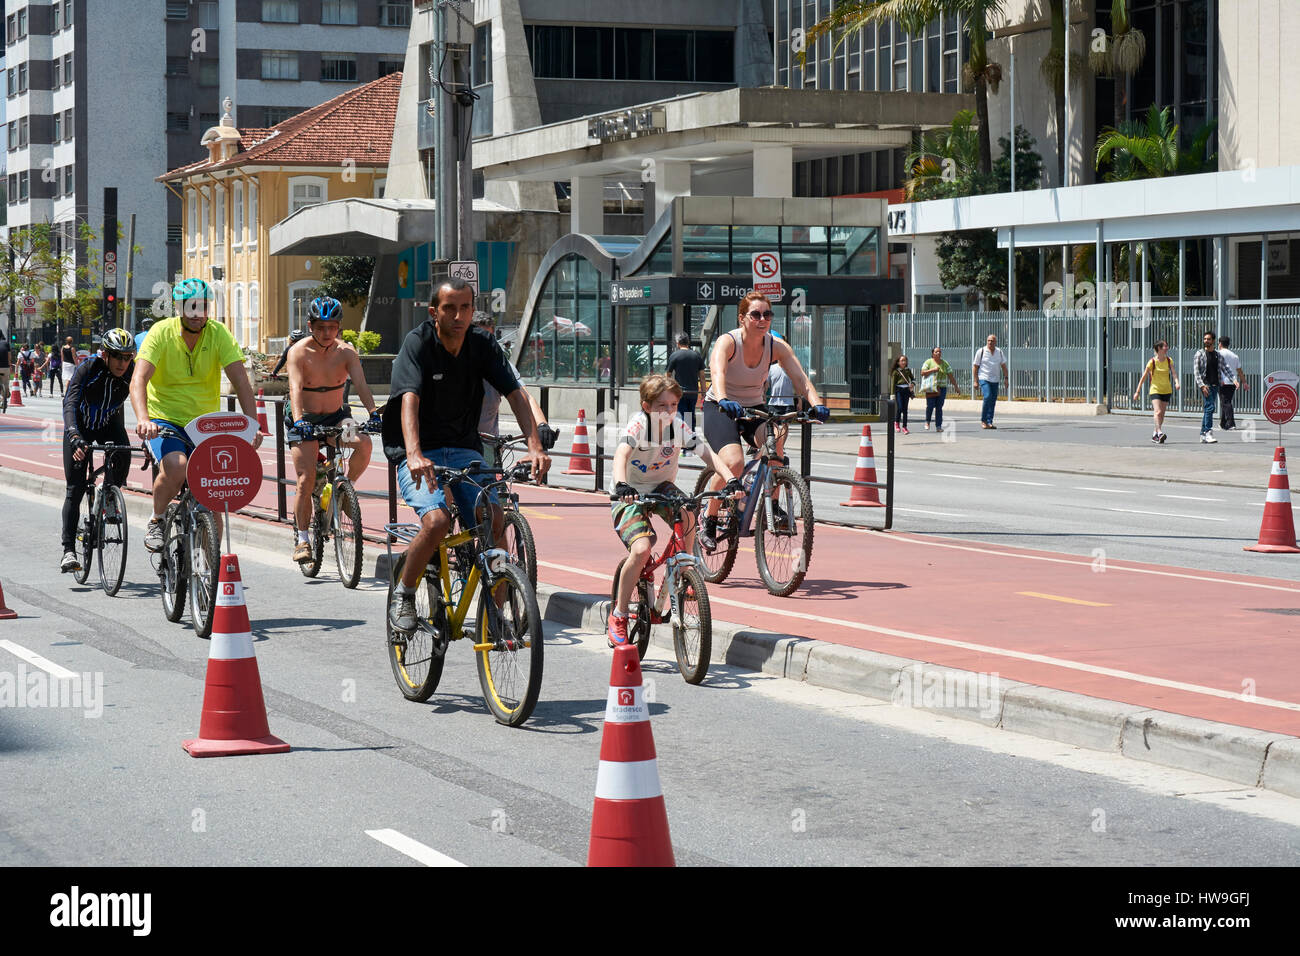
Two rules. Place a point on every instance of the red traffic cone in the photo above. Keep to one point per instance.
(5, 613)
(580, 462)
(261, 415)
(629, 823)
(862, 497)
(15, 395)
(1277, 530)
(234, 714)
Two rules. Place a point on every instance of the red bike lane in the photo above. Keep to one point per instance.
(1204, 644)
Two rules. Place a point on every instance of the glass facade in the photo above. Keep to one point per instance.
(572, 331)
(805, 250)
(619, 53)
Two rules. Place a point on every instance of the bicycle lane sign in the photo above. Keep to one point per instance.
(224, 470)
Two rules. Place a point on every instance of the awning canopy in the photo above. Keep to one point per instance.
(361, 227)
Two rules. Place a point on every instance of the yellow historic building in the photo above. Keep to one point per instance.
(254, 178)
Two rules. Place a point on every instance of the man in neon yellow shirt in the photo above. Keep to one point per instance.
(178, 378)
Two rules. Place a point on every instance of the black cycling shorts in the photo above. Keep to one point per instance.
(720, 430)
(291, 435)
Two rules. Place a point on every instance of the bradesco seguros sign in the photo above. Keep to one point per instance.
(225, 471)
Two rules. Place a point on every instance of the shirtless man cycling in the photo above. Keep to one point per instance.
(318, 369)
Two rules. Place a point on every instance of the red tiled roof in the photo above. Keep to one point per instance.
(356, 125)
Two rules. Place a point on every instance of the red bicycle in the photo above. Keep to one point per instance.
(683, 587)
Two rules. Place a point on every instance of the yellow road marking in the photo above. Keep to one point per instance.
(539, 514)
(1066, 600)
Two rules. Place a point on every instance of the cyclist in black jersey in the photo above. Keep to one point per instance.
(92, 414)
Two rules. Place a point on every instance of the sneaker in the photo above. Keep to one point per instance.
(1163, 436)
(905, 431)
(927, 426)
(1209, 438)
(1155, 437)
(992, 426)
(153, 535)
(617, 631)
(70, 562)
(708, 534)
(401, 611)
(302, 553)
(897, 427)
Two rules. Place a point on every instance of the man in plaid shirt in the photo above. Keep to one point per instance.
(1208, 375)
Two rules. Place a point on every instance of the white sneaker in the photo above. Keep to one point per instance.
(1210, 439)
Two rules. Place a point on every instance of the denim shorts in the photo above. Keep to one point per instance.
(164, 445)
(466, 493)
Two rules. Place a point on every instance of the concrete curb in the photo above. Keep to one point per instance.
(1241, 755)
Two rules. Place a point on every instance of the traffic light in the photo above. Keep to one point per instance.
(110, 308)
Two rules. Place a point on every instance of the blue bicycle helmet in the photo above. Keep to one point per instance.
(188, 289)
(325, 309)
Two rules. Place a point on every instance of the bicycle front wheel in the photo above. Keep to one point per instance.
(716, 564)
(347, 534)
(86, 536)
(416, 658)
(205, 565)
(172, 577)
(692, 626)
(519, 542)
(784, 539)
(639, 620)
(319, 523)
(510, 643)
(112, 539)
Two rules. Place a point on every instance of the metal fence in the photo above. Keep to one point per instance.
(1065, 357)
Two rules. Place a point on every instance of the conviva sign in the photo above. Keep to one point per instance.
(221, 423)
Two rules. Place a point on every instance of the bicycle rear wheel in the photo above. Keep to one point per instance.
(205, 566)
(519, 542)
(510, 665)
(86, 538)
(112, 539)
(417, 659)
(638, 623)
(783, 547)
(715, 565)
(347, 534)
(692, 626)
(172, 576)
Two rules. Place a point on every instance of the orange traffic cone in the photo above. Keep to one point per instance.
(1277, 530)
(261, 414)
(5, 613)
(234, 714)
(580, 462)
(863, 497)
(15, 395)
(629, 823)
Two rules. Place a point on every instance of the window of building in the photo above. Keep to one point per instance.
(275, 115)
(307, 191)
(219, 216)
(482, 69)
(300, 296)
(11, 29)
(22, 76)
(174, 233)
(58, 127)
(57, 72)
(22, 132)
(69, 173)
(13, 82)
(237, 201)
(192, 220)
(22, 185)
(178, 122)
(339, 11)
(279, 65)
(67, 13)
(338, 68)
(178, 66)
(204, 204)
(593, 52)
(67, 69)
(552, 51)
(714, 56)
(208, 120)
(22, 23)
(237, 311)
(605, 53)
(208, 75)
(394, 14)
(178, 9)
(379, 188)
(389, 65)
(209, 15)
(252, 215)
(674, 54)
(68, 131)
(13, 135)
(279, 11)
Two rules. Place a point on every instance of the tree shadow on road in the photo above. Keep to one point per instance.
(263, 628)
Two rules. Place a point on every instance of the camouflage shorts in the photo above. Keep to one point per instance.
(633, 521)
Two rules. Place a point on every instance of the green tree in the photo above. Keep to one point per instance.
(1151, 150)
(943, 159)
(346, 278)
(979, 73)
(1121, 54)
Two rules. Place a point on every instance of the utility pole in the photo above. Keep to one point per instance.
(110, 258)
(130, 263)
(453, 161)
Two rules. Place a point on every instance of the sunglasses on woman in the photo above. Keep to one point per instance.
(761, 316)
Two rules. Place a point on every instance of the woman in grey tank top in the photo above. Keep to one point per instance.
(739, 366)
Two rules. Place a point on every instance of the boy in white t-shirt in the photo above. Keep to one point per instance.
(648, 454)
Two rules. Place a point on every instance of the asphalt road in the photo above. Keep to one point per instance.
(755, 770)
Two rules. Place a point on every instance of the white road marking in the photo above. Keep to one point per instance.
(1164, 514)
(918, 511)
(1038, 484)
(981, 648)
(26, 461)
(1114, 491)
(1189, 498)
(413, 848)
(31, 657)
(940, 474)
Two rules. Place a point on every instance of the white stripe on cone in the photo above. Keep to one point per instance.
(231, 647)
(866, 463)
(1278, 496)
(628, 780)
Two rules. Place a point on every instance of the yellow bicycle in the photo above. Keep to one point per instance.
(507, 630)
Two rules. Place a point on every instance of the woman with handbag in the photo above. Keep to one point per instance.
(933, 372)
(903, 381)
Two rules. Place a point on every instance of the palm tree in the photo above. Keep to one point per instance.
(1152, 150)
(1123, 53)
(913, 16)
(1053, 70)
(943, 155)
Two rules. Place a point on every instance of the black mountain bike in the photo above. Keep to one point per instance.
(336, 509)
(103, 529)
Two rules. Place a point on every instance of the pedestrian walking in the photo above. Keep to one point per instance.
(1231, 377)
(935, 374)
(903, 382)
(54, 366)
(1164, 381)
(1208, 379)
(988, 371)
(685, 365)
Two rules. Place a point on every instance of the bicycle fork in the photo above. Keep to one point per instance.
(665, 605)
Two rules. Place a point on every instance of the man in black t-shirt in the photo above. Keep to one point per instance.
(685, 365)
(432, 415)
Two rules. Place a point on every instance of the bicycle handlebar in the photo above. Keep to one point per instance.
(674, 501)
